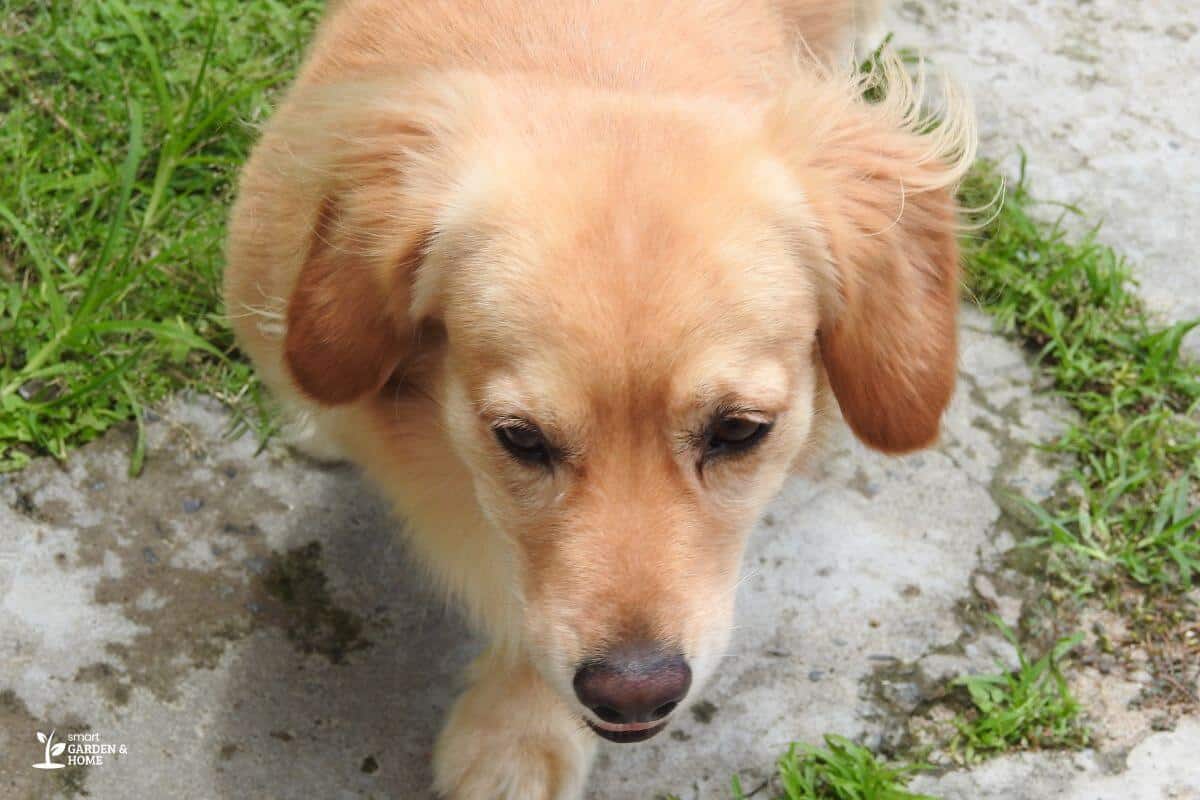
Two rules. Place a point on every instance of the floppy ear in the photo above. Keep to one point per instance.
(347, 319)
(883, 195)
(890, 349)
(361, 152)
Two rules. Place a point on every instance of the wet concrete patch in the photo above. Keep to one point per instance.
(304, 609)
(190, 582)
(220, 635)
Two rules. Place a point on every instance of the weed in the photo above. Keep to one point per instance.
(1031, 707)
(842, 770)
(1132, 511)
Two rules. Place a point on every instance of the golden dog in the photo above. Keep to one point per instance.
(576, 283)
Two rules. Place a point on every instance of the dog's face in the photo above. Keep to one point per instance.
(640, 311)
(629, 379)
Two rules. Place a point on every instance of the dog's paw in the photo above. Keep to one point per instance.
(510, 738)
(508, 768)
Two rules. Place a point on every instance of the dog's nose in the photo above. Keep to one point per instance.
(635, 683)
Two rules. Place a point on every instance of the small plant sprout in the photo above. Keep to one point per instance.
(1031, 707)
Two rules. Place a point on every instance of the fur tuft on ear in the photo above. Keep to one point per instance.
(880, 177)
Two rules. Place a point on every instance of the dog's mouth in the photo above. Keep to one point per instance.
(626, 733)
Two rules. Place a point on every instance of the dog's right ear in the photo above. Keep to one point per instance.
(349, 319)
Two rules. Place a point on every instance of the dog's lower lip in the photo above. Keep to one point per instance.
(626, 736)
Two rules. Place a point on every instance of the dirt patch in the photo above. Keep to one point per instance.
(304, 609)
(19, 743)
(1128, 681)
(108, 679)
(704, 711)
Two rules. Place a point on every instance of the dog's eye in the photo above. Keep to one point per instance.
(735, 434)
(525, 442)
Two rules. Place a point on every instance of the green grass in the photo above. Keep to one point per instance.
(124, 126)
(1131, 511)
(842, 770)
(1029, 708)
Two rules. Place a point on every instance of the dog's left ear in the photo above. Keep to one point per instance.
(366, 153)
(883, 197)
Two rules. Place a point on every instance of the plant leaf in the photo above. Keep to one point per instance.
(41, 737)
(58, 748)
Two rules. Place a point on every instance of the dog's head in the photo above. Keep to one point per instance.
(639, 307)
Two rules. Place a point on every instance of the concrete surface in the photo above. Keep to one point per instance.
(187, 616)
(1161, 767)
(1104, 97)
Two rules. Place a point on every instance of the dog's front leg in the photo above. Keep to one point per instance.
(510, 737)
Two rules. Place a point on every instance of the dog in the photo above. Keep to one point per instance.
(577, 285)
